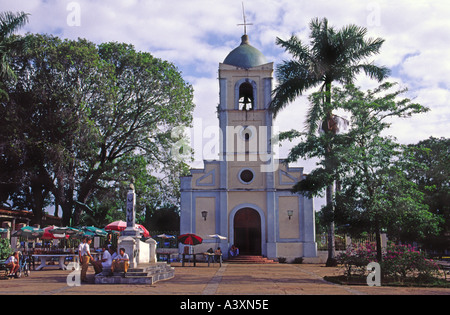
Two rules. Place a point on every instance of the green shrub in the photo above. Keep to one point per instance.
(5, 249)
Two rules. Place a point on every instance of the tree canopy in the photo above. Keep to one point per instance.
(82, 119)
(332, 56)
(374, 192)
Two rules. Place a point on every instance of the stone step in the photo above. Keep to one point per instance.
(146, 274)
(250, 259)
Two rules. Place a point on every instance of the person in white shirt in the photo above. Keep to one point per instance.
(107, 258)
(105, 262)
(85, 256)
(121, 262)
(13, 264)
(81, 249)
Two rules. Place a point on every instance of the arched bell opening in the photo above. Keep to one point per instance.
(246, 99)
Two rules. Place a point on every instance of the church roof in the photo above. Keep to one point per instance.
(245, 56)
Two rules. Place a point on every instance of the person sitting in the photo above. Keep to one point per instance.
(114, 253)
(217, 254)
(121, 262)
(234, 251)
(13, 264)
(209, 252)
(105, 262)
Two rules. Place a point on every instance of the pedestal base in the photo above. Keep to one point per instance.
(143, 274)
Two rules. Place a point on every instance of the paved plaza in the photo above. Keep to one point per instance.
(230, 279)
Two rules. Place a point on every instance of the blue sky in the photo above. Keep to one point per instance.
(196, 35)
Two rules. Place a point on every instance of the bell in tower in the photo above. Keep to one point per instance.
(246, 101)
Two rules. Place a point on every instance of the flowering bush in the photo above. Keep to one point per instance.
(403, 261)
(355, 259)
(399, 262)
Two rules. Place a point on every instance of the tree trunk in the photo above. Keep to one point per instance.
(331, 261)
(38, 204)
(328, 128)
(66, 213)
(378, 241)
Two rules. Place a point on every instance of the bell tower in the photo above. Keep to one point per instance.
(245, 79)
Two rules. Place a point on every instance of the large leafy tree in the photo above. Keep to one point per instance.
(46, 115)
(375, 193)
(97, 116)
(332, 56)
(431, 172)
(149, 98)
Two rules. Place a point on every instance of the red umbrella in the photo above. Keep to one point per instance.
(122, 225)
(116, 226)
(50, 236)
(144, 231)
(190, 239)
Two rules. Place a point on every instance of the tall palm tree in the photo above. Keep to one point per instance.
(333, 56)
(10, 23)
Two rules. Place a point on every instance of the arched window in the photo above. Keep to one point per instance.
(246, 99)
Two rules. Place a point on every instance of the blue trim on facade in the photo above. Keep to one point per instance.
(212, 174)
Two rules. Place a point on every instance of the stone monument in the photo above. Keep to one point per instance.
(144, 268)
(130, 238)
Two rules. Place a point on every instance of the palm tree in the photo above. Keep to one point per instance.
(9, 23)
(332, 56)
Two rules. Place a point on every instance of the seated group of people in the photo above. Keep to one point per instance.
(112, 260)
(234, 251)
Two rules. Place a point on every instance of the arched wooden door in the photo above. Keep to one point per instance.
(247, 231)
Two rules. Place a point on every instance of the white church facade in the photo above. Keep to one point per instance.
(246, 195)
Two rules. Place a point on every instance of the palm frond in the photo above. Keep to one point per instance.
(11, 22)
(294, 78)
(295, 47)
(314, 116)
(331, 56)
(372, 71)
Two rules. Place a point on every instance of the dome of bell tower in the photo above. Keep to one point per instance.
(245, 55)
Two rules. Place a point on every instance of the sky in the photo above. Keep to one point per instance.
(196, 35)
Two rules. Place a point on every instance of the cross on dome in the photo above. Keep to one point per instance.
(245, 20)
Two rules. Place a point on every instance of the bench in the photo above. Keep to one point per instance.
(444, 265)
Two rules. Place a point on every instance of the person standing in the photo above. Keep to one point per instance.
(84, 251)
(81, 249)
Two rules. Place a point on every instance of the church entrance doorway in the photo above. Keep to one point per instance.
(247, 231)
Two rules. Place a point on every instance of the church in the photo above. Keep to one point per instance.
(245, 196)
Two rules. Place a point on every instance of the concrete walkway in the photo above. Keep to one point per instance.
(230, 279)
